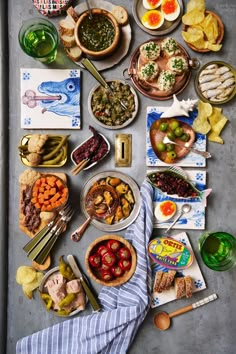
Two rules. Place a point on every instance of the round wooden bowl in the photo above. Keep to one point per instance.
(94, 274)
(220, 36)
(109, 50)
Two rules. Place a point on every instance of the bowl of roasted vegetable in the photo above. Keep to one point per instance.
(110, 260)
(61, 292)
(105, 105)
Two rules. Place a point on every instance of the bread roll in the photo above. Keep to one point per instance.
(120, 14)
(162, 285)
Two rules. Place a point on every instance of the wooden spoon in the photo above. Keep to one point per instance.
(162, 319)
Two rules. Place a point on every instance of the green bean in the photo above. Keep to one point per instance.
(57, 148)
(54, 161)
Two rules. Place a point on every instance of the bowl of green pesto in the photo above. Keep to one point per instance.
(98, 36)
(105, 108)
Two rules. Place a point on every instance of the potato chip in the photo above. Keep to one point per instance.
(210, 28)
(217, 121)
(201, 124)
(191, 37)
(196, 31)
(199, 44)
(196, 4)
(25, 274)
(30, 287)
(193, 17)
(213, 47)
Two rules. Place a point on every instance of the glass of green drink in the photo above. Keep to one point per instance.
(39, 39)
(218, 250)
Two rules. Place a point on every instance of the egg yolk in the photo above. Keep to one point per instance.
(169, 6)
(167, 208)
(153, 2)
(153, 18)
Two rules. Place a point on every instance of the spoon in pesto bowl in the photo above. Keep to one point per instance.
(89, 10)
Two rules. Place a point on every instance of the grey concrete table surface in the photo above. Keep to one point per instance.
(210, 329)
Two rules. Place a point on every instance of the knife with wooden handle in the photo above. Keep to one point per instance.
(74, 266)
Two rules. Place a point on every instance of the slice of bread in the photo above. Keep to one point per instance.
(66, 27)
(157, 281)
(169, 281)
(188, 286)
(74, 53)
(72, 14)
(120, 14)
(179, 287)
(163, 282)
(67, 41)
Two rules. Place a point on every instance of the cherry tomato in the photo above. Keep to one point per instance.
(124, 253)
(117, 271)
(109, 259)
(106, 275)
(125, 264)
(95, 260)
(113, 245)
(102, 250)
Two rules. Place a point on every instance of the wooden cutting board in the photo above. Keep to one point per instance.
(43, 223)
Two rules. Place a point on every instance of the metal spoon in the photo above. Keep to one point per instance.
(205, 154)
(184, 210)
(162, 319)
(89, 9)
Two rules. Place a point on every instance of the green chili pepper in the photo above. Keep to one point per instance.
(57, 148)
(67, 300)
(65, 269)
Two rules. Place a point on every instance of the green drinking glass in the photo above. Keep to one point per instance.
(218, 250)
(39, 39)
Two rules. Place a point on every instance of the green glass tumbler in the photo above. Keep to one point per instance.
(39, 39)
(218, 250)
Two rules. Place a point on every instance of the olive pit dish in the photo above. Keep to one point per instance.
(97, 37)
(110, 260)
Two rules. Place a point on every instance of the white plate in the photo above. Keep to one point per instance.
(113, 127)
(122, 50)
(167, 27)
(123, 223)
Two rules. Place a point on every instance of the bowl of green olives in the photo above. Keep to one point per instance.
(177, 131)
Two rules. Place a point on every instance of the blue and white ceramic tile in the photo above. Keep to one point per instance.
(191, 159)
(194, 271)
(50, 99)
(195, 219)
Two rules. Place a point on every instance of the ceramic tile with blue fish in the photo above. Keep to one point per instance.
(191, 159)
(193, 270)
(50, 99)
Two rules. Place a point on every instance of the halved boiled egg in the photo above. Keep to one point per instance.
(151, 4)
(170, 9)
(165, 210)
(152, 19)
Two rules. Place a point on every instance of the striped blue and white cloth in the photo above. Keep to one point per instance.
(124, 307)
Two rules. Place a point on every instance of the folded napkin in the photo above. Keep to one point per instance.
(124, 307)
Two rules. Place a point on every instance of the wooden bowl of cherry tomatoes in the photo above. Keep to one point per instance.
(110, 260)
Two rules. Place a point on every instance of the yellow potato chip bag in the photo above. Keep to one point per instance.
(193, 17)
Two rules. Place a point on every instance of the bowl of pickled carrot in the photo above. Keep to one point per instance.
(49, 193)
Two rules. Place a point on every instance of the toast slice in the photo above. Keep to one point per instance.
(162, 285)
(179, 287)
(188, 286)
(67, 41)
(72, 14)
(170, 279)
(120, 14)
(74, 53)
(157, 281)
(66, 27)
